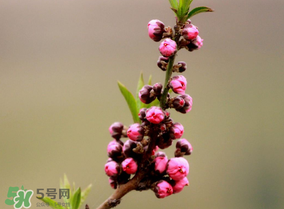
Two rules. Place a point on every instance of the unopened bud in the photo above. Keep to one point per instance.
(156, 30)
(115, 130)
(163, 63)
(146, 95)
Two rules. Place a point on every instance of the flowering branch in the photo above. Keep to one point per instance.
(136, 164)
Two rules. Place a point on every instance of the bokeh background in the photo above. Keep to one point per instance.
(59, 65)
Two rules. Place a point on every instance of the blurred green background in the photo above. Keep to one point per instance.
(59, 65)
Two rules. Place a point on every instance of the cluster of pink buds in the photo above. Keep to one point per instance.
(164, 176)
(138, 158)
(140, 151)
(188, 37)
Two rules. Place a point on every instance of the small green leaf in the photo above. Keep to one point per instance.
(174, 4)
(198, 10)
(76, 200)
(53, 204)
(139, 87)
(150, 80)
(183, 8)
(130, 101)
(66, 185)
(85, 194)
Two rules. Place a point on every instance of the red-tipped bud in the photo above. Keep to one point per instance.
(156, 30)
(168, 47)
(163, 189)
(178, 84)
(161, 161)
(111, 168)
(190, 32)
(129, 166)
(155, 115)
(178, 168)
(182, 103)
(135, 132)
(177, 130)
(179, 185)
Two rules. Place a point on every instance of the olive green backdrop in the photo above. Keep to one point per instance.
(59, 64)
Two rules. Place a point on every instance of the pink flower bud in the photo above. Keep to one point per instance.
(129, 166)
(178, 84)
(195, 44)
(161, 161)
(186, 100)
(146, 94)
(177, 130)
(178, 102)
(112, 183)
(114, 149)
(111, 168)
(178, 168)
(115, 130)
(199, 42)
(155, 115)
(163, 189)
(168, 47)
(190, 32)
(135, 132)
(184, 146)
(179, 185)
(156, 30)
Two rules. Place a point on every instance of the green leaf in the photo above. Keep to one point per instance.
(66, 185)
(130, 101)
(139, 87)
(85, 194)
(53, 204)
(198, 10)
(76, 200)
(174, 4)
(183, 8)
(150, 80)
